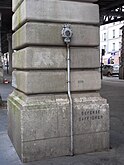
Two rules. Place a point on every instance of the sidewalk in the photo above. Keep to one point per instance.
(113, 90)
(6, 89)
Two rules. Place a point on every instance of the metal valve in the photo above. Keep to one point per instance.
(67, 33)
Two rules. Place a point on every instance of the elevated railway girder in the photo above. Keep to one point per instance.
(111, 11)
(6, 23)
(112, 15)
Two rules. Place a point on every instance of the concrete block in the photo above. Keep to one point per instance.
(84, 57)
(51, 112)
(31, 82)
(50, 34)
(40, 81)
(47, 148)
(55, 58)
(14, 124)
(41, 124)
(56, 11)
(52, 120)
(40, 58)
(15, 4)
(91, 115)
(85, 81)
(86, 143)
(44, 135)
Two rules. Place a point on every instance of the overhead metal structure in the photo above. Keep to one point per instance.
(110, 11)
(6, 23)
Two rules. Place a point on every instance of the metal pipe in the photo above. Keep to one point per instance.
(70, 98)
(67, 35)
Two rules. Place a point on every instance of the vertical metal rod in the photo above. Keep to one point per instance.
(70, 98)
(101, 68)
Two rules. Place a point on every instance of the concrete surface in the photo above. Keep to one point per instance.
(55, 58)
(112, 89)
(35, 33)
(56, 11)
(44, 124)
(31, 82)
(16, 3)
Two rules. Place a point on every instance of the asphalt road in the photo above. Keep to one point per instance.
(113, 91)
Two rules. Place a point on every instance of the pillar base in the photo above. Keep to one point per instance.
(39, 126)
(121, 72)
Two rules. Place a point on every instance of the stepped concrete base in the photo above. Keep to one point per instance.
(39, 126)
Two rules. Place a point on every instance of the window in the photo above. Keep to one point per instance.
(104, 47)
(113, 49)
(104, 37)
(113, 33)
(120, 32)
(104, 27)
(120, 45)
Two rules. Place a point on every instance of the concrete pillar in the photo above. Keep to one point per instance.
(39, 110)
(9, 38)
(121, 70)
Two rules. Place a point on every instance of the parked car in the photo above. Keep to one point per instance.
(107, 70)
(115, 69)
(110, 69)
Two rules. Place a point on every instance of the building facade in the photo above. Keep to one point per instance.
(111, 41)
